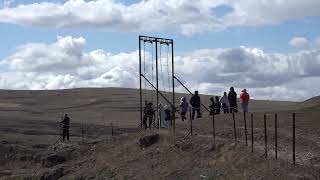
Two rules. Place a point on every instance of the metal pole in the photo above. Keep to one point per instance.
(294, 138)
(112, 129)
(140, 79)
(251, 132)
(213, 126)
(183, 85)
(265, 134)
(245, 126)
(156, 41)
(163, 96)
(190, 122)
(82, 131)
(234, 127)
(173, 98)
(276, 134)
(154, 120)
(190, 92)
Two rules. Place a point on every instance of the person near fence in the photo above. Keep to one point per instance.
(183, 108)
(217, 106)
(232, 97)
(65, 127)
(212, 105)
(244, 100)
(224, 101)
(162, 116)
(195, 103)
(148, 115)
(168, 117)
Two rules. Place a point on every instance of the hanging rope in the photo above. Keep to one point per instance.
(168, 67)
(164, 88)
(152, 62)
(144, 63)
(152, 76)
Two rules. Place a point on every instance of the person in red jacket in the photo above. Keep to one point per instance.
(244, 100)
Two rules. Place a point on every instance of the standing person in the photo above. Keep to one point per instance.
(195, 103)
(148, 115)
(168, 117)
(184, 108)
(212, 106)
(224, 101)
(232, 97)
(217, 106)
(244, 100)
(65, 127)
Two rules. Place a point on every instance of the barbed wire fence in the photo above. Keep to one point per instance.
(282, 135)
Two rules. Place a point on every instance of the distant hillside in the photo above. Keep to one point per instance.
(106, 98)
(312, 102)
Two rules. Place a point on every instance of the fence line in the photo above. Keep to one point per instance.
(265, 125)
(85, 132)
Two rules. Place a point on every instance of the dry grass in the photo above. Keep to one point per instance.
(28, 120)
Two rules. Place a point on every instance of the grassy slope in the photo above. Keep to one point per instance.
(29, 117)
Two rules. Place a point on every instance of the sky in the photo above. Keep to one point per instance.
(271, 48)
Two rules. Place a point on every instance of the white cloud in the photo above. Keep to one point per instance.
(65, 64)
(299, 42)
(190, 16)
(62, 55)
(304, 43)
(262, 12)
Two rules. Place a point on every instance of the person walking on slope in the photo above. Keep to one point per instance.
(217, 106)
(232, 97)
(224, 101)
(183, 108)
(244, 100)
(65, 127)
(195, 103)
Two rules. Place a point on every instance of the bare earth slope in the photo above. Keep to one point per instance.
(29, 132)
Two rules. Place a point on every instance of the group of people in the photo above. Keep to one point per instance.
(227, 103)
(164, 112)
(195, 102)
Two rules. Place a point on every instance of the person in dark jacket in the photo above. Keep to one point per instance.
(232, 97)
(65, 127)
(212, 105)
(217, 106)
(148, 115)
(195, 103)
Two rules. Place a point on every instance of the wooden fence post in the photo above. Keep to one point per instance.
(251, 132)
(234, 126)
(265, 135)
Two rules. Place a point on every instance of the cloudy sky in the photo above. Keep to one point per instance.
(269, 47)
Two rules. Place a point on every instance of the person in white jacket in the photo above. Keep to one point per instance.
(225, 103)
(162, 115)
